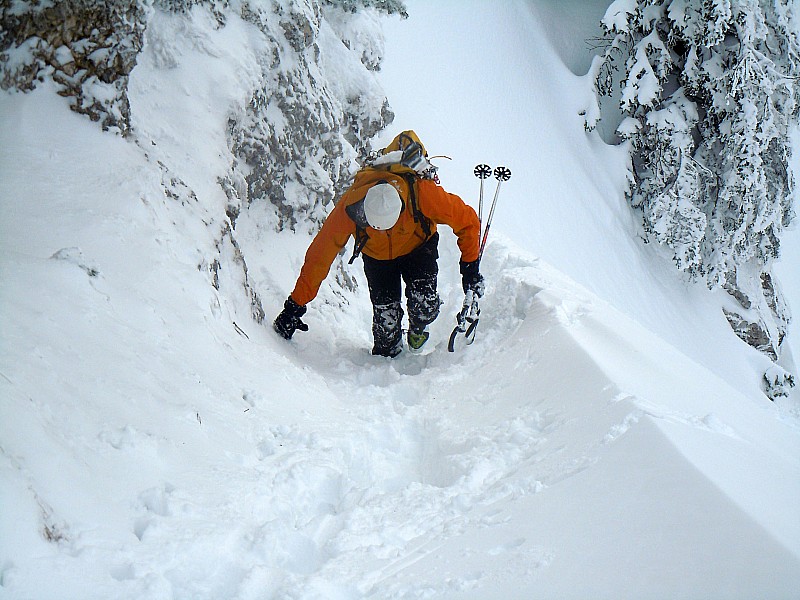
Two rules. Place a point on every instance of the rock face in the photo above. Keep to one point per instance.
(319, 126)
(763, 316)
(293, 146)
(760, 317)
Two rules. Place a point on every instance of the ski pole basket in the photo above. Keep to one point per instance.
(467, 318)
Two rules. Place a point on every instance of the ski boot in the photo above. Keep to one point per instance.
(417, 338)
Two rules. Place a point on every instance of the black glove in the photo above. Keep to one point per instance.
(471, 278)
(289, 320)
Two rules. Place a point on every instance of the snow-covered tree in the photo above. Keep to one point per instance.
(708, 91)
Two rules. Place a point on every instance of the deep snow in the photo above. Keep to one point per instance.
(604, 437)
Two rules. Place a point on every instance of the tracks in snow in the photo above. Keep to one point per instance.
(431, 447)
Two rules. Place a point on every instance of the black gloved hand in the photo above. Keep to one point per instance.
(289, 320)
(471, 278)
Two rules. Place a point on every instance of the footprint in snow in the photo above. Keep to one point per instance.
(503, 548)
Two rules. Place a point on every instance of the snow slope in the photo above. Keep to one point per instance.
(157, 443)
(509, 96)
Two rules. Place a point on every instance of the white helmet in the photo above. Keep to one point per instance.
(382, 206)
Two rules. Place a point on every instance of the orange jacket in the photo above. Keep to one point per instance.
(433, 201)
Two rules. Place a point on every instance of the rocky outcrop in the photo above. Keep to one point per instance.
(753, 332)
(87, 48)
(307, 149)
(294, 145)
(761, 319)
(778, 382)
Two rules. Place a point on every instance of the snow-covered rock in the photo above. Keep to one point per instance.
(88, 48)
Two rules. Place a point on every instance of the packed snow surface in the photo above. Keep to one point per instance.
(603, 437)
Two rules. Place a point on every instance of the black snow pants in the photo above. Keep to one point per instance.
(418, 270)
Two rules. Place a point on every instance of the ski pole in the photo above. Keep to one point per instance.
(469, 315)
(501, 174)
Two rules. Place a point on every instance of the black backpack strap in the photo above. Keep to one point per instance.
(356, 213)
(412, 196)
(361, 240)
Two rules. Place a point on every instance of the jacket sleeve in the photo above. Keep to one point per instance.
(449, 209)
(328, 242)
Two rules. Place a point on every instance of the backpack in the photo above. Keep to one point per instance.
(404, 156)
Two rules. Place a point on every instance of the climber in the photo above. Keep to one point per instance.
(392, 210)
